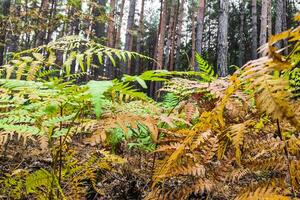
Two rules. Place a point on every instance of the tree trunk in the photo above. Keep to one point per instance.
(270, 18)
(200, 27)
(118, 35)
(41, 35)
(284, 26)
(179, 33)
(192, 62)
(278, 19)
(140, 35)
(222, 39)
(99, 28)
(242, 36)
(254, 29)
(161, 35)
(111, 24)
(263, 25)
(5, 12)
(170, 33)
(130, 26)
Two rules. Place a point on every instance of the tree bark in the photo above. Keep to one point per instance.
(269, 18)
(140, 35)
(200, 27)
(161, 35)
(242, 36)
(129, 37)
(192, 62)
(41, 35)
(222, 39)
(170, 33)
(118, 35)
(278, 19)
(5, 12)
(254, 29)
(111, 24)
(284, 26)
(263, 25)
(179, 33)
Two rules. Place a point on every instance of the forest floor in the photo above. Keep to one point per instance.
(131, 180)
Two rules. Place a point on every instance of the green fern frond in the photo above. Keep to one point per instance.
(205, 67)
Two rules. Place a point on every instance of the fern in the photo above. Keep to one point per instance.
(205, 67)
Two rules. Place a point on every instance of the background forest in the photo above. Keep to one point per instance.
(149, 99)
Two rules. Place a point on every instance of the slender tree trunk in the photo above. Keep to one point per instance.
(242, 36)
(222, 39)
(41, 35)
(179, 33)
(200, 28)
(140, 38)
(270, 18)
(109, 71)
(99, 28)
(161, 36)
(284, 26)
(192, 62)
(14, 37)
(263, 25)
(129, 37)
(278, 19)
(5, 12)
(50, 23)
(111, 24)
(254, 29)
(171, 65)
(170, 32)
(118, 35)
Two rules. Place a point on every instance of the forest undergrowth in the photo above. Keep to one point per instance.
(65, 136)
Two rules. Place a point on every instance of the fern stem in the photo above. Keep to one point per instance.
(287, 158)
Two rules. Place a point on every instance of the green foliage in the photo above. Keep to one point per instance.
(170, 100)
(205, 68)
(97, 90)
(138, 137)
(41, 62)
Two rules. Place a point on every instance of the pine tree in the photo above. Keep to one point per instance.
(222, 39)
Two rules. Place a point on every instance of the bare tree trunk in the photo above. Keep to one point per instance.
(118, 35)
(99, 28)
(110, 38)
(111, 24)
(161, 35)
(41, 35)
(242, 36)
(278, 19)
(140, 35)
(254, 29)
(222, 39)
(129, 37)
(14, 37)
(269, 18)
(170, 32)
(263, 25)
(171, 65)
(5, 12)
(200, 27)
(179, 33)
(284, 26)
(192, 62)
